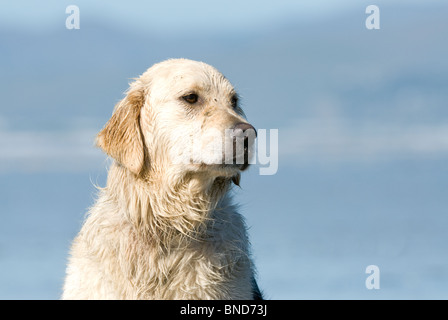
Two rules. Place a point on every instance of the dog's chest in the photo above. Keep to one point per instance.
(206, 269)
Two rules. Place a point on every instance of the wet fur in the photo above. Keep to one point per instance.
(159, 231)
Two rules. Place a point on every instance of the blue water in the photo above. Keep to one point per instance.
(313, 230)
(315, 236)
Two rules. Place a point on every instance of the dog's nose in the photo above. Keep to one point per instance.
(242, 129)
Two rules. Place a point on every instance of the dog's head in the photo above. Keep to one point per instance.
(180, 115)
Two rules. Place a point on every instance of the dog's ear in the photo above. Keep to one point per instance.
(121, 138)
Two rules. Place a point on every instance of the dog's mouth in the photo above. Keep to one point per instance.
(230, 166)
(227, 154)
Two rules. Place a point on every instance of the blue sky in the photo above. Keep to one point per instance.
(182, 16)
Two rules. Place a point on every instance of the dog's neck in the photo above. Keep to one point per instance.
(167, 211)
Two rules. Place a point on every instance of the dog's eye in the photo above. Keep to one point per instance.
(234, 101)
(191, 98)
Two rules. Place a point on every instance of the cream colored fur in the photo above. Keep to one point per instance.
(164, 229)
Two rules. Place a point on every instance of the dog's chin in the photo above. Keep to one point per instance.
(219, 167)
(221, 170)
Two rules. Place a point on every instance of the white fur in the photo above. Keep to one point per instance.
(164, 228)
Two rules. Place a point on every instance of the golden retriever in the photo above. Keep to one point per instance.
(164, 227)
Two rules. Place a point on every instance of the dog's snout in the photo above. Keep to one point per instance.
(242, 129)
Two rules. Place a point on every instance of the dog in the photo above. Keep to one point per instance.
(165, 227)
